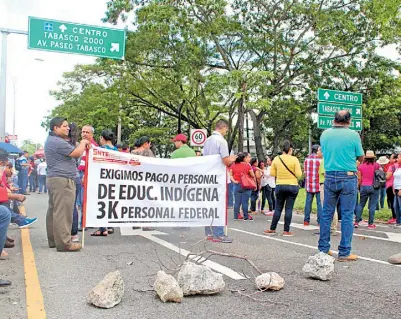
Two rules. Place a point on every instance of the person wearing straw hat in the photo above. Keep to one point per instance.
(366, 179)
(382, 161)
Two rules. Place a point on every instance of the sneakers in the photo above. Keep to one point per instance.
(249, 219)
(397, 226)
(306, 223)
(330, 253)
(209, 237)
(356, 225)
(392, 221)
(240, 216)
(75, 239)
(351, 257)
(223, 239)
(269, 232)
(372, 226)
(288, 234)
(27, 222)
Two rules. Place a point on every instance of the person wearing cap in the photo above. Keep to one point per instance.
(61, 173)
(182, 149)
(312, 184)
(383, 161)
(366, 179)
(341, 147)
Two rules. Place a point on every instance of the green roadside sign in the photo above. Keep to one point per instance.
(325, 122)
(341, 97)
(75, 38)
(324, 108)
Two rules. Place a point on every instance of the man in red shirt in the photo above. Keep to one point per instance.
(312, 185)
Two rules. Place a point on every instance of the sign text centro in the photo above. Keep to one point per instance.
(67, 37)
(339, 97)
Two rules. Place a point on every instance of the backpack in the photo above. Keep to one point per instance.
(18, 166)
(379, 179)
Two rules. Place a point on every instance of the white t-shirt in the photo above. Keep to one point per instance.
(397, 178)
(271, 180)
(42, 168)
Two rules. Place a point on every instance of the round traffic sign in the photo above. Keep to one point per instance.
(198, 137)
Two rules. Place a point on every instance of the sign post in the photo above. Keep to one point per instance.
(331, 101)
(198, 137)
(75, 38)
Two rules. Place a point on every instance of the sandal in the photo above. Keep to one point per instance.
(98, 233)
(110, 230)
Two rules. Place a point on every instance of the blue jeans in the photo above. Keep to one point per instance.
(22, 180)
(254, 199)
(308, 206)
(32, 182)
(42, 184)
(382, 197)
(241, 198)
(343, 187)
(5, 219)
(397, 208)
(285, 196)
(371, 194)
(215, 231)
(230, 189)
(75, 214)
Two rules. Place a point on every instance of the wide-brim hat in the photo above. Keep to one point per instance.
(370, 154)
(383, 160)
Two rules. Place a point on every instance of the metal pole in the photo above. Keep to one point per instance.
(3, 83)
(15, 107)
(310, 139)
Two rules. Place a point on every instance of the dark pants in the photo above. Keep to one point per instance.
(23, 180)
(397, 208)
(343, 187)
(241, 198)
(75, 216)
(16, 218)
(32, 182)
(42, 184)
(230, 189)
(308, 206)
(285, 196)
(5, 218)
(254, 199)
(371, 194)
(390, 200)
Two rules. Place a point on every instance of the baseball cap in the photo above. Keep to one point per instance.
(180, 138)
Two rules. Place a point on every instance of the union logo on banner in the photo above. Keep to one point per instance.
(113, 157)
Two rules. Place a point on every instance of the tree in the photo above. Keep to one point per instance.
(30, 147)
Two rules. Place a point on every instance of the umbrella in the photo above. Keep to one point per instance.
(10, 148)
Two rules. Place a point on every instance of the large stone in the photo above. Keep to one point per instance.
(167, 287)
(395, 259)
(199, 280)
(108, 292)
(319, 266)
(269, 281)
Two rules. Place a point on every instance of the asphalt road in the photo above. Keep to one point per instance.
(368, 288)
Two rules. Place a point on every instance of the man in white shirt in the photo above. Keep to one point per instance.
(42, 172)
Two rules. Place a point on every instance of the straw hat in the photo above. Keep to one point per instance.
(370, 154)
(383, 160)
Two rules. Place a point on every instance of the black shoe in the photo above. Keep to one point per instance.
(4, 283)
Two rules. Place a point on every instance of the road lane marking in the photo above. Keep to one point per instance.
(125, 231)
(302, 226)
(306, 246)
(34, 298)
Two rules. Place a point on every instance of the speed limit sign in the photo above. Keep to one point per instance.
(198, 137)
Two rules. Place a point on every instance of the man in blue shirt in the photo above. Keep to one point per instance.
(23, 173)
(341, 147)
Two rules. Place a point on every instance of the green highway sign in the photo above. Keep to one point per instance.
(75, 38)
(325, 122)
(324, 108)
(339, 97)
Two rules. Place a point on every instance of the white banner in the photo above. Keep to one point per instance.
(125, 190)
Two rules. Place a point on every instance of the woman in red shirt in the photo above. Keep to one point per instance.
(366, 178)
(241, 195)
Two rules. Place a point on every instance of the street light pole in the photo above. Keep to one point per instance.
(3, 82)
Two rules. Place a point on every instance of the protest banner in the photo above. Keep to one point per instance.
(125, 190)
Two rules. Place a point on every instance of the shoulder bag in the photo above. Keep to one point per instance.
(247, 181)
(287, 167)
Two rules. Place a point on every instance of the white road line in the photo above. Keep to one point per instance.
(211, 264)
(301, 226)
(306, 246)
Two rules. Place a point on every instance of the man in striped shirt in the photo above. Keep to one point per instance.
(312, 184)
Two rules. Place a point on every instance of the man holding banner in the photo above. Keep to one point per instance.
(217, 145)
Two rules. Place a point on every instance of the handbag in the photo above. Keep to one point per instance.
(3, 194)
(247, 182)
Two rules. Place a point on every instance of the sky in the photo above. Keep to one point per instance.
(34, 73)
(34, 79)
